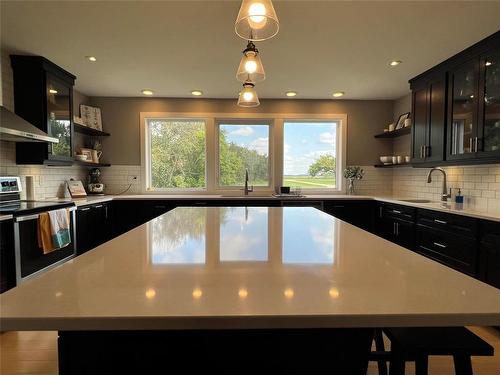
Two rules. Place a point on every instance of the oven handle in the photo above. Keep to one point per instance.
(34, 216)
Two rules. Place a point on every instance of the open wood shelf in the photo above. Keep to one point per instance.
(392, 165)
(395, 133)
(90, 164)
(89, 131)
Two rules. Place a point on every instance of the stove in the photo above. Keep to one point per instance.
(29, 258)
(11, 203)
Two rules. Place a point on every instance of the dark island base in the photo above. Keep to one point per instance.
(283, 351)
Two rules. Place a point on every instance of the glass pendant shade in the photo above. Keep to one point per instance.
(257, 20)
(250, 68)
(248, 96)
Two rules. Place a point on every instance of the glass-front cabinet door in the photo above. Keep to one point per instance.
(463, 111)
(489, 109)
(59, 113)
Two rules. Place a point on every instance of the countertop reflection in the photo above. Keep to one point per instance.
(243, 234)
(255, 267)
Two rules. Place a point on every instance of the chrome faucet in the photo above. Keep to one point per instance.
(247, 189)
(445, 195)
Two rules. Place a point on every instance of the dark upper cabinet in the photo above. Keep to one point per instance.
(456, 108)
(463, 110)
(43, 96)
(488, 131)
(429, 113)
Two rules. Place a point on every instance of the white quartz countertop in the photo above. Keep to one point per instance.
(255, 267)
(451, 208)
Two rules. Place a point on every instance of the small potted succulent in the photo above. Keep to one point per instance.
(353, 173)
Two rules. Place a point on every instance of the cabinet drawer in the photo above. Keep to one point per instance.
(456, 251)
(456, 224)
(397, 212)
(490, 232)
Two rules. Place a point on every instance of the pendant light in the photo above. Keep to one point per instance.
(257, 20)
(248, 96)
(250, 68)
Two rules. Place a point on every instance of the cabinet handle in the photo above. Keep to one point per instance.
(422, 152)
(394, 228)
(440, 245)
(380, 212)
(475, 144)
(470, 145)
(85, 209)
(338, 206)
(397, 229)
(396, 212)
(200, 203)
(440, 221)
(98, 206)
(160, 207)
(427, 151)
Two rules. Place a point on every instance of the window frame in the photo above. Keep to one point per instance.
(340, 148)
(146, 156)
(270, 161)
(276, 149)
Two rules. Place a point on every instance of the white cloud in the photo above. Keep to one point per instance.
(261, 145)
(299, 165)
(327, 137)
(245, 131)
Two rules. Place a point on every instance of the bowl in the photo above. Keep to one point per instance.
(386, 160)
(81, 157)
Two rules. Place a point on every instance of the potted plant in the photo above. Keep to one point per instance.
(353, 173)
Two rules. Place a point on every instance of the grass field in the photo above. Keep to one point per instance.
(309, 182)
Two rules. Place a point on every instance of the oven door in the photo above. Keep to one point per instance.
(30, 259)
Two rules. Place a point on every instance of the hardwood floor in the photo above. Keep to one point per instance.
(36, 353)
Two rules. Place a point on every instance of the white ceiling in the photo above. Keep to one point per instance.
(173, 47)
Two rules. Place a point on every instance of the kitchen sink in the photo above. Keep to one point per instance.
(416, 200)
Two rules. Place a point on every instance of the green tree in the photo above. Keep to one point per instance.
(323, 166)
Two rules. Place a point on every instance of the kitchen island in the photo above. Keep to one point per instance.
(284, 286)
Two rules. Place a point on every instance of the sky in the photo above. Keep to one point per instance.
(304, 142)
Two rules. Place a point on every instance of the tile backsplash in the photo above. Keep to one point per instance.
(50, 182)
(480, 184)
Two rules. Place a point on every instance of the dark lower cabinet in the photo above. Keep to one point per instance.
(396, 224)
(489, 265)
(453, 250)
(355, 212)
(449, 239)
(7, 257)
(93, 227)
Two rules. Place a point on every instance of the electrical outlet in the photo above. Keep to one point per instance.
(132, 179)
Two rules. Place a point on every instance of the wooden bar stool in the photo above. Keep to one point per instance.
(417, 344)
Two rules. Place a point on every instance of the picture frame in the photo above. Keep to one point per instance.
(88, 153)
(91, 116)
(401, 120)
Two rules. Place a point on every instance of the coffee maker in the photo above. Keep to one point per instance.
(95, 186)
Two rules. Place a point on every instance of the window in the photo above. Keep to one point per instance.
(176, 158)
(310, 154)
(209, 153)
(243, 146)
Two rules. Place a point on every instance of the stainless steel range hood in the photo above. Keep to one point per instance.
(16, 129)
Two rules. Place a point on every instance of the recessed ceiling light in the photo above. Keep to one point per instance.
(197, 92)
(291, 94)
(91, 58)
(488, 63)
(52, 91)
(395, 63)
(147, 92)
(338, 94)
